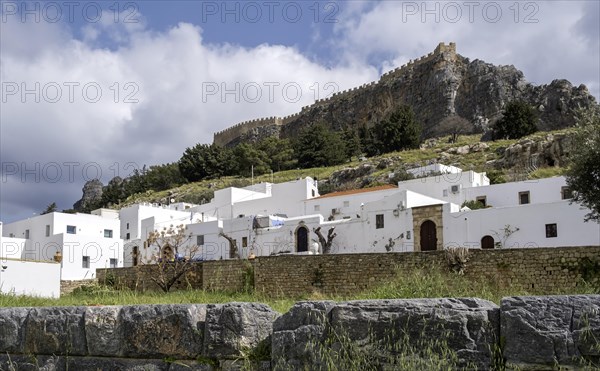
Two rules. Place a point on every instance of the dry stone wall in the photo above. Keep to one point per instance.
(525, 333)
(539, 269)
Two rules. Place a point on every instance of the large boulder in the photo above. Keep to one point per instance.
(156, 331)
(233, 329)
(549, 331)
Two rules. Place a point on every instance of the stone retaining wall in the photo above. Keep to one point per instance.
(540, 269)
(526, 333)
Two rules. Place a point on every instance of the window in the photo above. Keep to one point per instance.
(85, 262)
(71, 229)
(244, 241)
(482, 199)
(317, 208)
(11, 235)
(200, 240)
(346, 203)
(27, 233)
(445, 193)
(566, 193)
(379, 221)
(112, 263)
(408, 235)
(313, 193)
(524, 198)
(127, 225)
(551, 230)
(128, 236)
(108, 233)
(47, 230)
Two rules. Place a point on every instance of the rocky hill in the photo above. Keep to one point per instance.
(438, 85)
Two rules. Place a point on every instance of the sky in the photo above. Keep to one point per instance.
(95, 89)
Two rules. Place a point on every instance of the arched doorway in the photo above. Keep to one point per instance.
(428, 236)
(302, 239)
(487, 242)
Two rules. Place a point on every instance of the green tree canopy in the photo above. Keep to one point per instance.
(248, 158)
(518, 120)
(318, 146)
(206, 161)
(399, 131)
(280, 153)
(50, 209)
(583, 175)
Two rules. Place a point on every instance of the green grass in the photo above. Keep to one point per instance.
(433, 282)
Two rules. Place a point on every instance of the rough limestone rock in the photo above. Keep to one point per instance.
(55, 330)
(11, 329)
(296, 331)
(543, 332)
(92, 194)
(469, 327)
(436, 87)
(234, 328)
(102, 332)
(351, 174)
(155, 331)
(551, 150)
(31, 362)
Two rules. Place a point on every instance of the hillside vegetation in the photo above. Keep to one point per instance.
(478, 157)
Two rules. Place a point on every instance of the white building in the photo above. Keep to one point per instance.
(420, 214)
(81, 242)
(26, 277)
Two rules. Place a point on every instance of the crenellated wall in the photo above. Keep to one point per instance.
(222, 138)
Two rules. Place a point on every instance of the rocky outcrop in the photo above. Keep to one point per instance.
(438, 86)
(92, 195)
(551, 332)
(550, 150)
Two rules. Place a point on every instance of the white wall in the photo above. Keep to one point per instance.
(325, 204)
(468, 227)
(89, 240)
(507, 194)
(131, 218)
(20, 277)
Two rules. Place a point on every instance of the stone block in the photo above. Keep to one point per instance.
(102, 332)
(297, 333)
(551, 331)
(11, 329)
(233, 329)
(464, 330)
(155, 331)
(55, 331)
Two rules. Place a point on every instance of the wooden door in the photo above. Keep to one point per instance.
(428, 236)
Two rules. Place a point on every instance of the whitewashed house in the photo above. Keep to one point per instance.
(420, 214)
(81, 242)
(26, 277)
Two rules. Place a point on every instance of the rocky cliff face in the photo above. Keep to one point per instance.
(437, 86)
(92, 193)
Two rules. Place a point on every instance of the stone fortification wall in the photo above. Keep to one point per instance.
(525, 333)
